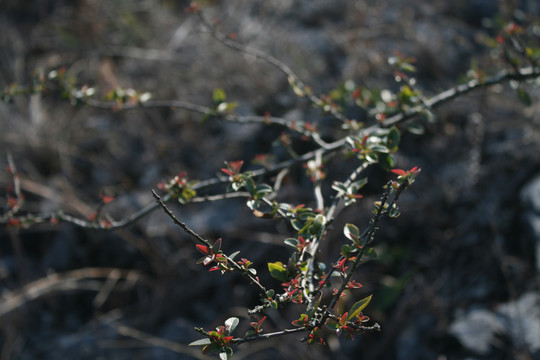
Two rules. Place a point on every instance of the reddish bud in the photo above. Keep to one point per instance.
(14, 222)
(12, 202)
(193, 8)
(106, 199)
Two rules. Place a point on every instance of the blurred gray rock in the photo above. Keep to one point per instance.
(476, 330)
(530, 200)
(519, 321)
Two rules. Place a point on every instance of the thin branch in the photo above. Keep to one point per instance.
(155, 341)
(330, 214)
(297, 126)
(318, 182)
(368, 236)
(269, 335)
(75, 280)
(15, 206)
(293, 79)
(524, 74)
(169, 213)
(151, 104)
(252, 278)
(211, 198)
(520, 75)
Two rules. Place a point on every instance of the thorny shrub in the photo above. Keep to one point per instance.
(314, 287)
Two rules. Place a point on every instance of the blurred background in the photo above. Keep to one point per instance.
(458, 272)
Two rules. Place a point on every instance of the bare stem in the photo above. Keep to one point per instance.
(199, 239)
(291, 75)
(269, 335)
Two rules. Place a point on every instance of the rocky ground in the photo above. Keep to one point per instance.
(458, 274)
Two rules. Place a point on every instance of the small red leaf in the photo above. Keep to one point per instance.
(227, 339)
(228, 172)
(399, 172)
(106, 199)
(203, 249)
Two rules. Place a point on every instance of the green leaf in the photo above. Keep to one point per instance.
(429, 116)
(217, 246)
(379, 148)
(406, 94)
(372, 157)
(291, 242)
(524, 97)
(357, 185)
(394, 211)
(232, 323)
(317, 226)
(210, 348)
(358, 307)
(339, 187)
(250, 186)
(297, 225)
(219, 96)
(253, 204)
(346, 250)
(393, 139)
(415, 128)
(405, 66)
(262, 189)
(351, 232)
(200, 342)
(332, 326)
(278, 271)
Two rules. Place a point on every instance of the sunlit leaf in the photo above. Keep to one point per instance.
(278, 271)
(351, 232)
(291, 242)
(358, 307)
(219, 95)
(415, 128)
(379, 148)
(200, 342)
(231, 323)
